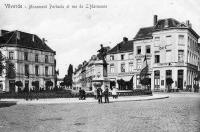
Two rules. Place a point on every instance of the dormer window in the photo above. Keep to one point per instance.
(166, 24)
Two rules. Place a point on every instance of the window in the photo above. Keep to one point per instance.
(36, 58)
(162, 82)
(157, 38)
(122, 67)
(157, 80)
(36, 71)
(149, 62)
(137, 80)
(148, 49)
(112, 57)
(138, 63)
(188, 41)
(131, 67)
(130, 56)
(112, 68)
(122, 57)
(26, 56)
(157, 58)
(138, 49)
(46, 59)
(46, 71)
(180, 55)
(11, 55)
(26, 70)
(181, 39)
(168, 55)
(168, 73)
(168, 39)
(180, 73)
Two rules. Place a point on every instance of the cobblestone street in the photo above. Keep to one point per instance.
(178, 113)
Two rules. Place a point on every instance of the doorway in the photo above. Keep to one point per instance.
(27, 85)
(12, 86)
(180, 79)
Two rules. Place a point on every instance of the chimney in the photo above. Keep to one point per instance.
(18, 35)
(155, 19)
(2, 32)
(188, 24)
(125, 39)
(33, 37)
(43, 40)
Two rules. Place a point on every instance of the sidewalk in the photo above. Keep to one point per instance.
(88, 100)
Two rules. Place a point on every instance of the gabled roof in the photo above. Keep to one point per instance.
(23, 40)
(167, 23)
(122, 47)
(144, 33)
(162, 24)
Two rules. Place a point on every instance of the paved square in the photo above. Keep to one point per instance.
(179, 113)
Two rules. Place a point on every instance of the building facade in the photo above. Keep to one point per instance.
(171, 48)
(88, 73)
(120, 61)
(32, 58)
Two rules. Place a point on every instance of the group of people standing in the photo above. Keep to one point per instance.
(99, 94)
(105, 93)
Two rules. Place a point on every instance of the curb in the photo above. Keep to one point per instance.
(84, 101)
(7, 103)
(141, 99)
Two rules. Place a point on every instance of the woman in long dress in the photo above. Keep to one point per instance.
(114, 92)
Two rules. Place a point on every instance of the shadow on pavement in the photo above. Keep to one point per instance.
(7, 103)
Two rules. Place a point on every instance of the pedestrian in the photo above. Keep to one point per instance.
(106, 94)
(114, 92)
(83, 94)
(99, 94)
(95, 93)
(80, 94)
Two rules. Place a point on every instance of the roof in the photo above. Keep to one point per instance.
(23, 40)
(122, 47)
(167, 23)
(162, 24)
(144, 33)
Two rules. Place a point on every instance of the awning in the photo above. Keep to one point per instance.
(126, 78)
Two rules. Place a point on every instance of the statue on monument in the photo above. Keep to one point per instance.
(102, 56)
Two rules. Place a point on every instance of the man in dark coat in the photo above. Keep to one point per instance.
(80, 94)
(99, 95)
(106, 95)
(83, 94)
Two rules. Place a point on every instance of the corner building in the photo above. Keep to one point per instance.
(33, 60)
(171, 48)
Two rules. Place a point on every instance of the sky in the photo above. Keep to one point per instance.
(76, 34)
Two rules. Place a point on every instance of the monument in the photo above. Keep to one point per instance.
(100, 79)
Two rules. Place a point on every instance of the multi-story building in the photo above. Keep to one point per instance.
(172, 51)
(120, 65)
(76, 77)
(89, 73)
(32, 58)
